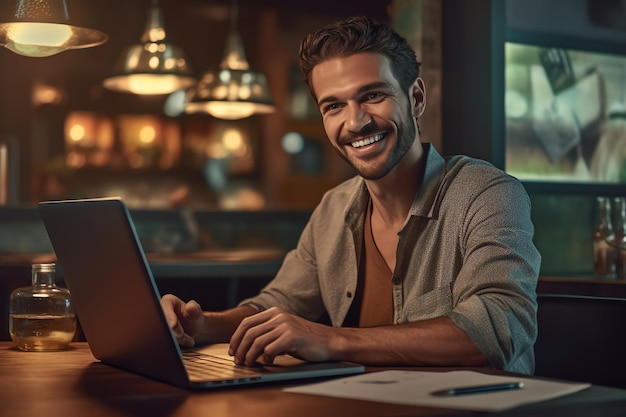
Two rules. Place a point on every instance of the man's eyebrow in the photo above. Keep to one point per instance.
(329, 99)
(376, 86)
(368, 87)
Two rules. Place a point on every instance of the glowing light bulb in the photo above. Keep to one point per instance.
(38, 39)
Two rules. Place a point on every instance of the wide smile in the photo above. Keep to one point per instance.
(367, 141)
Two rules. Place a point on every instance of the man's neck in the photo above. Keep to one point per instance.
(393, 195)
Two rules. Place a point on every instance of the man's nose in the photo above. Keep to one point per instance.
(357, 119)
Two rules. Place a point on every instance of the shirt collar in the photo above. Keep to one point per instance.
(423, 203)
(434, 174)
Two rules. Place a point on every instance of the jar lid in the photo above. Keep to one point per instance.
(43, 267)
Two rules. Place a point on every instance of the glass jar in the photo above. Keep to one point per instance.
(41, 317)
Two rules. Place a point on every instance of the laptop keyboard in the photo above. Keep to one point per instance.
(201, 366)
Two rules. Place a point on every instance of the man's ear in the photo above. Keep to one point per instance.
(419, 97)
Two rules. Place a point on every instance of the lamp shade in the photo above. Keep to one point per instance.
(40, 28)
(231, 94)
(152, 66)
(234, 91)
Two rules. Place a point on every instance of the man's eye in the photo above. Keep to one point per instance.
(375, 96)
(331, 107)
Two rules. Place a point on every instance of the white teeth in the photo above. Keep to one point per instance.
(366, 141)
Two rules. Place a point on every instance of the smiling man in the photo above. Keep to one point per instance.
(418, 260)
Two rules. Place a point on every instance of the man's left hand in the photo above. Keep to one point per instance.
(260, 337)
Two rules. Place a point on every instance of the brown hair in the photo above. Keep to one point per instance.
(356, 35)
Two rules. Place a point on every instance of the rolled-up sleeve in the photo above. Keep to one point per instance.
(494, 292)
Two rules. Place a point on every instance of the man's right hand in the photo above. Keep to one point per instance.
(185, 319)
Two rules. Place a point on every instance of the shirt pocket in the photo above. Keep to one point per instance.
(434, 303)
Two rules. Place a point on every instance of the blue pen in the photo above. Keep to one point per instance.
(477, 389)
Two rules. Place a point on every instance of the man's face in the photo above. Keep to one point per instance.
(369, 120)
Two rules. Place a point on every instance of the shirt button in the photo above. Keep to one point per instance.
(396, 281)
(349, 294)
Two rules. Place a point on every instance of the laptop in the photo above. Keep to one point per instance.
(117, 302)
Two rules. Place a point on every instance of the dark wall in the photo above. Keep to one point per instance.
(473, 78)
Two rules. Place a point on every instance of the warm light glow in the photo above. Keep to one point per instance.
(156, 34)
(149, 141)
(46, 94)
(220, 92)
(89, 139)
(80, 130)
(38, 39)
(147, 135)
(232, 139)
(231, 95)
(232, 111)
(234, 142)
(44, 34)
(146, 84)
(243, 93)
(154, 62)
(228, 110)
(77, 133)
(169, 64)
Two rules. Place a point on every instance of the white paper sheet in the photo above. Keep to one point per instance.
(416, 388)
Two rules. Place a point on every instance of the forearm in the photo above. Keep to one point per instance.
(437, 342)
(219, 326)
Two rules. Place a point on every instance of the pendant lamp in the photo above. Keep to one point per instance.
(40, 28)
(234, 91)
(153, 66)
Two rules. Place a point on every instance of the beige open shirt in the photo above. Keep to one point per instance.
(465, 251)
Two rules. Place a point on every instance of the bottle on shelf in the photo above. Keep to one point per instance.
(619, 240)
(604, 253)
(41, 317)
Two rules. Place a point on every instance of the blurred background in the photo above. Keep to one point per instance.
(69, 136)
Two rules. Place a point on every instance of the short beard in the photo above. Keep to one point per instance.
(404, 141)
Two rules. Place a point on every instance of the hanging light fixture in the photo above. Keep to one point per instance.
(40, 28)
(234, 91)
(152, 66)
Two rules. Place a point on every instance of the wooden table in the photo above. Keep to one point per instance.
(72, 383)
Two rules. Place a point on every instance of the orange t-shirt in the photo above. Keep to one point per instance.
(375, 282)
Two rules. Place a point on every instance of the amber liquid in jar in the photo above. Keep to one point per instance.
(41, 317)
(42, 332)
